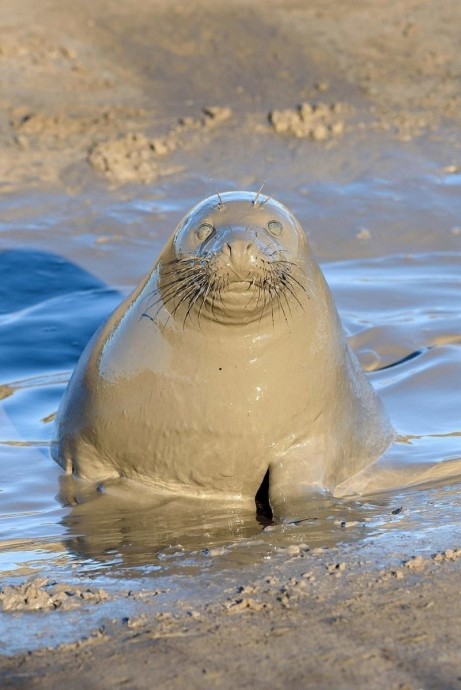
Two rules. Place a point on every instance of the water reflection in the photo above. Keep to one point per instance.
(124, 523)
(116, 534)
(134, 523)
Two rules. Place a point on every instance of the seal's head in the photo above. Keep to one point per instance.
(235, 257)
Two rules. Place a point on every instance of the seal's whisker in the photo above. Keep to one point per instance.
(269, 255)
(214, 291)
(255, 200)
(190, 270)
(251, 284)
(256, 292)
(224, 285)
(287, 301)
(186, 260)
(260, 292)
(157, 311)
(289, 276)
(175, 286)
(205, 294)
(292, 293)
(261, 312)
(290, 267)
(181, 273)
(268, 246)
(276, 287)
(278, 292)
(192, 302)
(285, 262)
(265, 201)
(153, 302)
(215, 288)
(282, 293)
(263, 290)
(166, 295)
(272, 306)
(187, 272)
(261, 287)
(182, 279)
(161, 302)
(171, 288)
(220, 201)
(185, 297)
(181, 292)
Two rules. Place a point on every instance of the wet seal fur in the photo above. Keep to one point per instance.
(227, 362)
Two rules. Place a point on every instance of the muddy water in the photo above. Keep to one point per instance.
(392, 256)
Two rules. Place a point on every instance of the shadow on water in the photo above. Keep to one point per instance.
(49, 308)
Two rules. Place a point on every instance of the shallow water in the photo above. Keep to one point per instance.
(66, 261)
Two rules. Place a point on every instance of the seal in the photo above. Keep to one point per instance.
(226, 363)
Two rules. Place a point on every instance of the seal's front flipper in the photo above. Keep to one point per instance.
(292, 481)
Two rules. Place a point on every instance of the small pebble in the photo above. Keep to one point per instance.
(363, 234)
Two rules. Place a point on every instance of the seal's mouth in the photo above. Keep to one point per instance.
(238, 285)
(206, 287)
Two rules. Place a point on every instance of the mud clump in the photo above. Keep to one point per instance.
(215, 115)
(319, 122)
(448, 555)
(58, 125)
(40, 595)
(129, 158)
(136, 157)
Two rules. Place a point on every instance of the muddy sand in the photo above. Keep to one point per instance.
(115, 118)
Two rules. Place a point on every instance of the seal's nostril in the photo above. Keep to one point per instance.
(239, 248)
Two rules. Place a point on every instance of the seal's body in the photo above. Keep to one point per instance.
(227, 361)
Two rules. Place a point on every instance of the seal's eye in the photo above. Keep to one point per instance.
(275, 228)
(204, 231)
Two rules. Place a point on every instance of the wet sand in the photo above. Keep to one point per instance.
(117, 117)
(321, 620)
